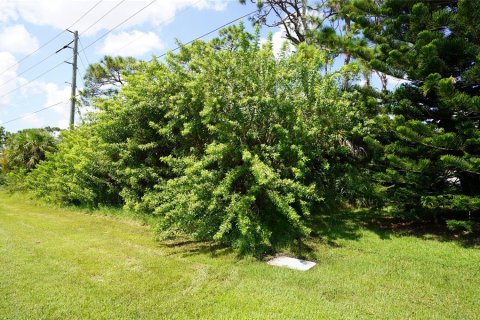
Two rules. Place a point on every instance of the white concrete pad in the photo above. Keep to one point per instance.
(292, 263)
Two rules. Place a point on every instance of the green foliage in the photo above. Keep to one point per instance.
(25, 149)
(106, 77)
(430, 127)
(451, 202)
(3, 135)
(223, 142)
(21, 152)
(226, 142)
(239, 135)
(77, 173)
(460, 225)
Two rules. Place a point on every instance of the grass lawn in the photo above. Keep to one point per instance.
(62, 264)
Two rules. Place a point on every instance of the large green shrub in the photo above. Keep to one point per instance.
(262, 143)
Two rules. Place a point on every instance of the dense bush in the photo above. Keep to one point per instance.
(223, 141)
(267, 148)
(77, 173)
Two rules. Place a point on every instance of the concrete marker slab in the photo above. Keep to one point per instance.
(291, 263)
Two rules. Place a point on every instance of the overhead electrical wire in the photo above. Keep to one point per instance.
(28, 82)
(118, 25)
(95, 41)
(101, 18)
(82, 63)
(198, 38)
(56, 66)
(26, 70)
(51, 55)
(208, 33)
(49, 41)
(83, 50)
(84, 67)
(34, 112)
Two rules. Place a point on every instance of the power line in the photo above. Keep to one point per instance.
(98, 39)
(208, 33)
(51, 40)
(32, 67)
(34, 112)
(83, 64)
(160, 56)
(162, 22)
(114, 7)
(28, 82)
(56, 66)
(202, 36)
(105, 34)
(118, 25)
(83, 50)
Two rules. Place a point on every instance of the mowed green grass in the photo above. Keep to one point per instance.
(62, 264)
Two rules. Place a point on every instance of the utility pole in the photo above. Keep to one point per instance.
(74, 80)
(74, 74)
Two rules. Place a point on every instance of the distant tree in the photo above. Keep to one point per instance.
(105, 78)
(289, 15)
(26, 148)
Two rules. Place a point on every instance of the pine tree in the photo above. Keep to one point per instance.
(428, 138)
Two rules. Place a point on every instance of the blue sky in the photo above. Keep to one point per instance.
(26, 25)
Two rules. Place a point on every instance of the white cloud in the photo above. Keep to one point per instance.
(58, 97)
(60, 13)
(53, 95)
(135, 43)
(278, 42)
(63, 123)
(8, 78)
(17, 39)
(7, 11)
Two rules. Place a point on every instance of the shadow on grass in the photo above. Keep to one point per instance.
(327, 229)
(187, 247)
(347, 224)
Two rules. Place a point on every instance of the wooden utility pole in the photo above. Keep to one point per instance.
(74, 80)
